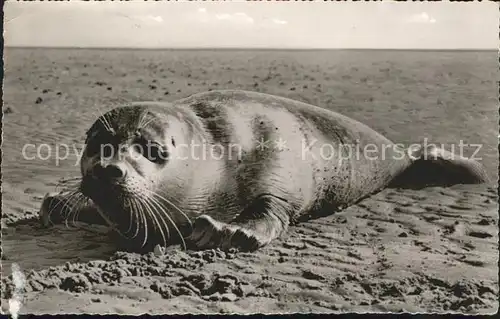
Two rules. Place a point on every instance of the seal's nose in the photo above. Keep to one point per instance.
(114, 171)
(111, 171)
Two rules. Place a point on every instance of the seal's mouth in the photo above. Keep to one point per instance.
(141, 217)
(109, 196)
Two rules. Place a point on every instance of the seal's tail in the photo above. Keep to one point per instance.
(438, 167)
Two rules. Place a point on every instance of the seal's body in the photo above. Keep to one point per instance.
(238, 167)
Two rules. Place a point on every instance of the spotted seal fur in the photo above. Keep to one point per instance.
(233, 169)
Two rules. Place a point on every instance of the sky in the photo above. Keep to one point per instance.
(201, 24)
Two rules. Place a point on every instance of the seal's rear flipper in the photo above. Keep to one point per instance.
(255, 227)
(437, 167)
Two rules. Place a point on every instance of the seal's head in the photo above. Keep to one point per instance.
(131, 170)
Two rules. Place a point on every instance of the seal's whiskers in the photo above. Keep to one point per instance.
(138, 212)
(155, 213)
(145, 223)
(128, 203)
(106, 219)
(174, 206)
(158, 204)
(59, 203)
(67, 204)
(101, 118)
(108, 124)
(148, 211)
(142, 120)
(76, 209)
(84, 202)
(147, 123)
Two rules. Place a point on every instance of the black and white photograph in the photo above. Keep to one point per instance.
(249, 157)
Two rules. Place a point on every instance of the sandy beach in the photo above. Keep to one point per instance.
(428, 250)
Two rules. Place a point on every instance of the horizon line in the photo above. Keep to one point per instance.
(246, 48)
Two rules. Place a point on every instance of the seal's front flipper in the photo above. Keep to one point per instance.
(255, 227)
(70, 207)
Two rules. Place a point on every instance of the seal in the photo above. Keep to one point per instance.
(234, 169)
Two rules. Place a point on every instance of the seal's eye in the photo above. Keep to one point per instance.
(157, 154)
(154, 152)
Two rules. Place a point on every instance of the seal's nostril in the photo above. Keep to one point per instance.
(110, 171)
(114, 171)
